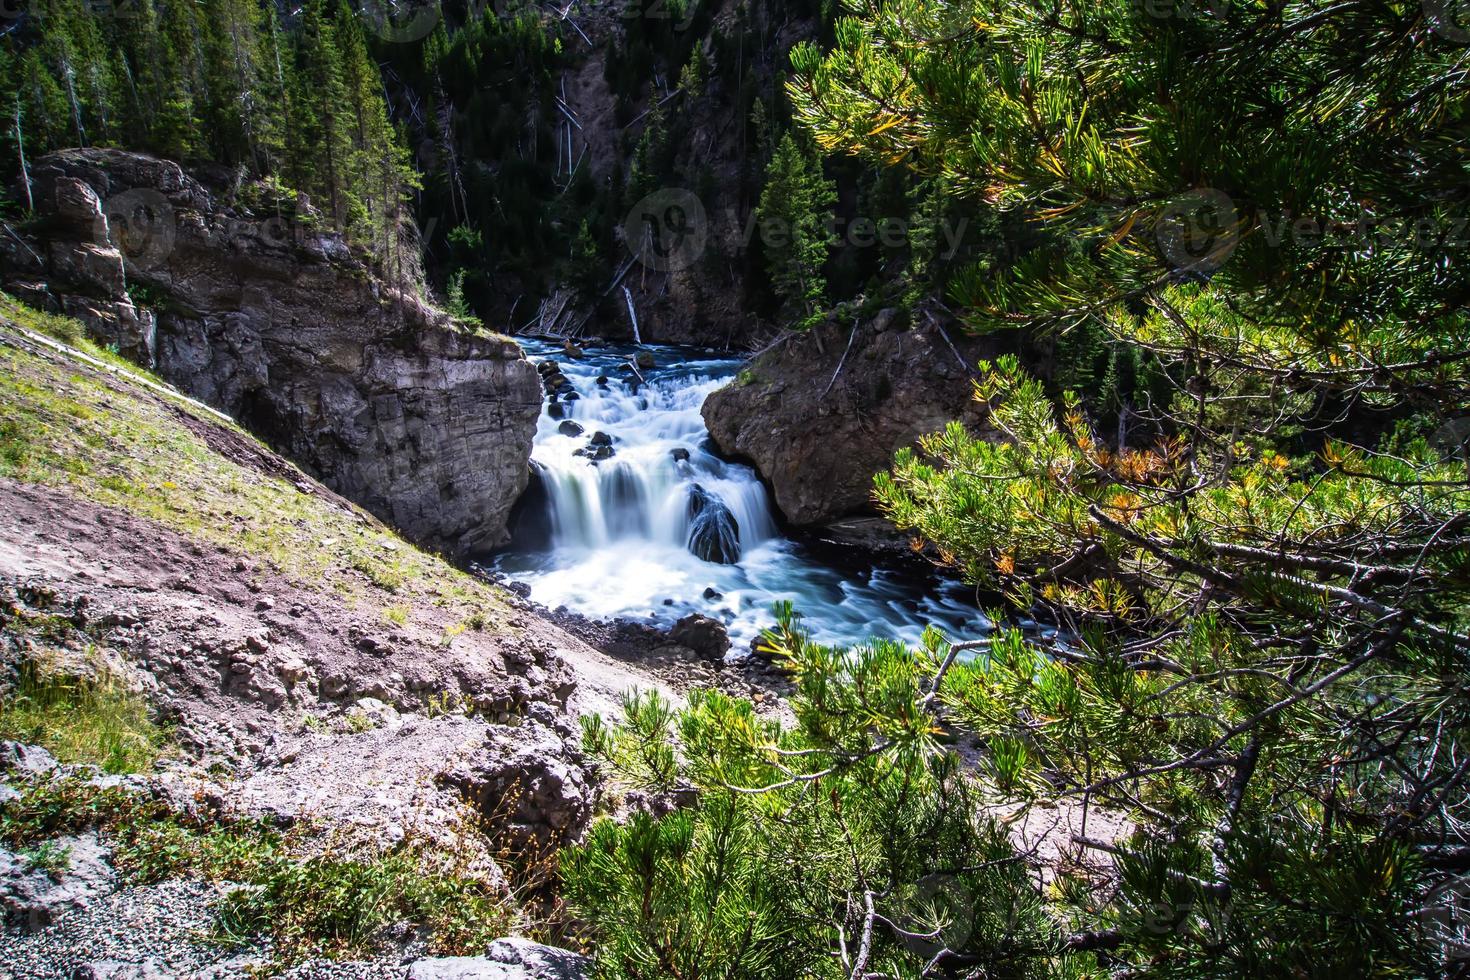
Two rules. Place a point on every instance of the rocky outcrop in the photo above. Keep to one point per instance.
(286, 328)
(705, 636)
(819, 447)
(528, 786)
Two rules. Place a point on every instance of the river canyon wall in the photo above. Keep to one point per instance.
(287, 329)
(824, 411)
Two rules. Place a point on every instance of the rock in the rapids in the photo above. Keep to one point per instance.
(569, 428)
(714, 534)
(705, 636)
(600, 439)
(680, 454)
(644, 360)
(712, 594)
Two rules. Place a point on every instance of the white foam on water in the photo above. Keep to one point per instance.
(620, 528)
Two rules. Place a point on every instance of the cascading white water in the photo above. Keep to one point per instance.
(642, 492)
(620, 534)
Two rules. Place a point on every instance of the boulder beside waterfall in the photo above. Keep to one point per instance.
(818, 427)
(714, 533)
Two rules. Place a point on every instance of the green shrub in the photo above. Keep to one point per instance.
(320, 904)
(794, 852)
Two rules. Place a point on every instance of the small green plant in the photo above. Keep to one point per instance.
(325, 904)
(15, 447)
(51, 857)
(444, 703)
(381, 574)
(745, 378)
(397, 614)
(359, 721)
(456, 304)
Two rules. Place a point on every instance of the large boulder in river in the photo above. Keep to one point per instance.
(714, 533)
(820, 449)
(287, 328)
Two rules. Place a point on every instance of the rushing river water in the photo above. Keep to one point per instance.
(618, 536)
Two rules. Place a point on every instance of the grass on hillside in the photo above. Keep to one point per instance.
(323, 904)
(68, 424)
(94, 720)
(98, 436)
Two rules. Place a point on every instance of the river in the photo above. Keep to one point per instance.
(618, 536)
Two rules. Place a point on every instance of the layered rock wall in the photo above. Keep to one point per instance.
(818, 434)
(287, 329)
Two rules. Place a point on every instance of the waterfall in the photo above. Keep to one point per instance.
(632, 515)
(657, 465)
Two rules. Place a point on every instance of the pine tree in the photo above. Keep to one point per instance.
(323, 117)
(794, 215)
(275, 136)
(161, 101)
(43, 107)
(233, 46)
(1258, 200)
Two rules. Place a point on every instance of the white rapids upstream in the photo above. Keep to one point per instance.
(616, 537)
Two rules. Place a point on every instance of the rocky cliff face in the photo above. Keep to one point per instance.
(286, 329)
(819, 447)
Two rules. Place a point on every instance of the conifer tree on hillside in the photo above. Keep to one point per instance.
(299, 101)
(1261, 585)
(794, 211)
(234, 76)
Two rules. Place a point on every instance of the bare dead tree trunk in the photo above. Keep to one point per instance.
(20, 149)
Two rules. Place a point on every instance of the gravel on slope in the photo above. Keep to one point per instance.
(147, 932)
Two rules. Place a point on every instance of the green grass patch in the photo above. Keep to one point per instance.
(323, 904)
(74, 426)
(62, 328)
(94, 720)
